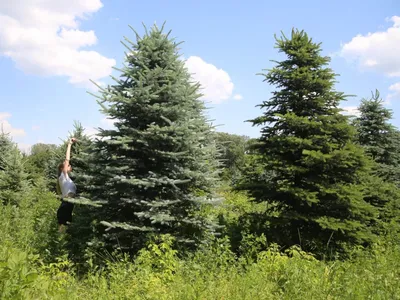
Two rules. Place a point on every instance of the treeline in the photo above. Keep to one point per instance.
(315, 179)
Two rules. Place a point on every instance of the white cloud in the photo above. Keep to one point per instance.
(6, 127)
(216, 83)
(378, 51)
(395, 20)
(394, 92)
(238, 97)
(395, 87)
(35, 127)
(351, 111)
(42, 38)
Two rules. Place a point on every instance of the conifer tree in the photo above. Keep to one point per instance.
(379, 138)
(157, 168)
(307, 150)
(81, 230)
(13, 178)
(57, 155)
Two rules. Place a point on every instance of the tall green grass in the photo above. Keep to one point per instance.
(34, 265)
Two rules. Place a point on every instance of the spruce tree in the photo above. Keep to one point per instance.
(306, 148)
(81, 230)
(157, 168)
(13, 178)
(379, 138)
(56, 155)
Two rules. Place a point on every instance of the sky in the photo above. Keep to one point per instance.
(50, 50)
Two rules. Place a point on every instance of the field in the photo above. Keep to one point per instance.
(166, 207)
(34, 266)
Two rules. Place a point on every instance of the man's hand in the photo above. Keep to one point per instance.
(72, 140)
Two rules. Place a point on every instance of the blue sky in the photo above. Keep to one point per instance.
(49, 49)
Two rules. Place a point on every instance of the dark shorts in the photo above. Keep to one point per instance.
(64, 213)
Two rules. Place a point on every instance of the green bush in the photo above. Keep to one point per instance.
(212, 272)
(32, 225)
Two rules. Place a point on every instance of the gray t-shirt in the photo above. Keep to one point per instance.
(66, 184)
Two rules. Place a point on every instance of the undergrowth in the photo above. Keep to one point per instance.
(35, 265)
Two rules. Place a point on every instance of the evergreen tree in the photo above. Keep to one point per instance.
(379, 138)
(157, 168)
(385, 196)
(81, 230)
(13, 178)
(306, 148)
(56, 155)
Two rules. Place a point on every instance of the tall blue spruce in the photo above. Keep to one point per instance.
(158, 166)
(312, 167)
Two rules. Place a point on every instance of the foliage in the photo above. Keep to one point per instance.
(37, 162)
(32, 225)
(57, 155)
(241, 216)
(212, 273)
(17, 279)
(385, 196)
(13, 178)
(379, 138)
(157, 168)
(233, 148)
(307, 150)
(81, 231)
(33, 264)
(305, 184)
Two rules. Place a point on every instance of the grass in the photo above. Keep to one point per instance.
(273, 276)
(34, 265)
